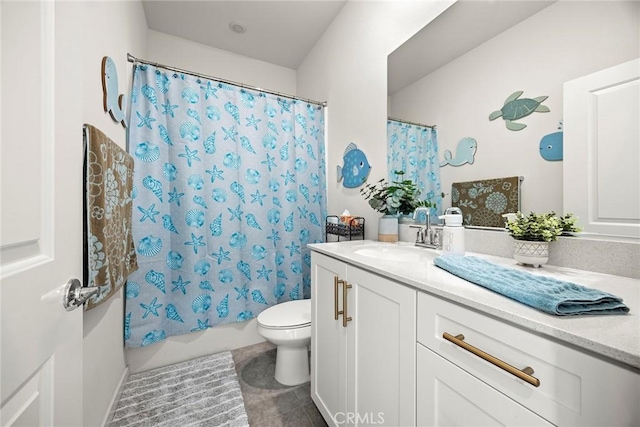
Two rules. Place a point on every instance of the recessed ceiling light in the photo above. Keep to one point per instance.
(237, 27)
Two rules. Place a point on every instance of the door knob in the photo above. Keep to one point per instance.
(75, 295)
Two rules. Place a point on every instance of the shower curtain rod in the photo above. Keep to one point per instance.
(411, 123)
(131, 58)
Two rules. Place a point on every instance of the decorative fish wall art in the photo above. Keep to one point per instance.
(465, 153)
(551, 145)
(355, 168)
(515, 109)
(113, 103)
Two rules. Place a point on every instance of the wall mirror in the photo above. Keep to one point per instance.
(466, 63)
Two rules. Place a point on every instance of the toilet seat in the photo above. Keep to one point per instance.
(287, 315)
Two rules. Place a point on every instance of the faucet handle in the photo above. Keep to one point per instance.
(419, 234)
(437, 237)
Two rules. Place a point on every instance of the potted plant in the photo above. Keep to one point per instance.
(532, 235)
(569, 224)
(395, 198)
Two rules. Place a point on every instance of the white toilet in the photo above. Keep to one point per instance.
(288, 325)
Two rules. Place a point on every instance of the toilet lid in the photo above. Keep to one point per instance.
(290, 314)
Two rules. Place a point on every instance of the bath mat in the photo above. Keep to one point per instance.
(198, 392)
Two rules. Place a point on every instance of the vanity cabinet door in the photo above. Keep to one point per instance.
(328, 339)
(362, 370)
(450, 396)
(381, 349)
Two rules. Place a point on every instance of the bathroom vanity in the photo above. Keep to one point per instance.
(397, 341)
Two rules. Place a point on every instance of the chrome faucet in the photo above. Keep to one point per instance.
(426, 237)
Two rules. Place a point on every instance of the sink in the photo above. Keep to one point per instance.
(390, 252)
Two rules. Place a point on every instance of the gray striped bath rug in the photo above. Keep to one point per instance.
(198, 392)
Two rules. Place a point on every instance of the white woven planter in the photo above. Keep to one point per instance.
(532, 253)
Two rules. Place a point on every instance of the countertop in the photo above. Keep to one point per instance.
(615, 337)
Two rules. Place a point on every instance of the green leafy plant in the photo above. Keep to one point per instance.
(395, 197)
(569, 223)
(544, 227)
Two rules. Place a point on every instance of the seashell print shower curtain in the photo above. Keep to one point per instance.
(414, 150)
(229, 187)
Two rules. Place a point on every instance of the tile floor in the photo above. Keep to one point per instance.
(269, 403)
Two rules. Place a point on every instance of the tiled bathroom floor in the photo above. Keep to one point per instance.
(269, 403)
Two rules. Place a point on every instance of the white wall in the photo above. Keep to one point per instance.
(170, 50)
(175, 51)
(564, 41)
(348, 69)
(110, 28)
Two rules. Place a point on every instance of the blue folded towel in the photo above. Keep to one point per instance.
(543, 293)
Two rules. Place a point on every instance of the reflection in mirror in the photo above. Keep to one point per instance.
(466, 63)
(413, 151)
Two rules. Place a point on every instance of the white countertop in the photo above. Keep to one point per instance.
(614, 336)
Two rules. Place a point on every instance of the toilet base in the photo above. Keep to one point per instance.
(292, 365)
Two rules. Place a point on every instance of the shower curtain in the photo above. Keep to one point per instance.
(414, 150)
(229, 187)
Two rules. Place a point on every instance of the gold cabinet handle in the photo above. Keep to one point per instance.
(336, 281)
(524, 374)
(345, 317)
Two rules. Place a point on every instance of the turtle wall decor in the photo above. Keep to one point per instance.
(515, 109)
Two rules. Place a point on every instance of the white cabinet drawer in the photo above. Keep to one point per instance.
(575, 388)
(449, 396)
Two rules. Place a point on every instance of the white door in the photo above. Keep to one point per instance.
(328, 339)
(41, 213)
(381, 344)
(602, 150)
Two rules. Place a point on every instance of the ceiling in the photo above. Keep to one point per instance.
(279, 32)
(283, 32)
(461, 28)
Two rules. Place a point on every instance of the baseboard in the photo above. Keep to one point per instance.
(116, 398)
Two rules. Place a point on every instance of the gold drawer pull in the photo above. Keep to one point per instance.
(336, 281)
(524, 374)
(345, 317)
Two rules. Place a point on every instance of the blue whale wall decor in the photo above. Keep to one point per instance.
(465, 153)
(551, 146)
(113, 104)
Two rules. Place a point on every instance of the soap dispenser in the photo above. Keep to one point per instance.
(452, 232)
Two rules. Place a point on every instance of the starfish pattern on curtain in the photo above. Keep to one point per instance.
(229, 187)
(414, 150)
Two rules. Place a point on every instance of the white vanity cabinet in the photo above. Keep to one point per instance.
(568, 387)
(362, 365)
(449, 396)
(388, 353)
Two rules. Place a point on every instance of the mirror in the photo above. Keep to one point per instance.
(466, 63)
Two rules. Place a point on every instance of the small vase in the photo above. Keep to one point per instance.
(531, 253)
(388, 228)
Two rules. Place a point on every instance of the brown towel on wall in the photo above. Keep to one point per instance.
(483, 202)
(108, 244)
